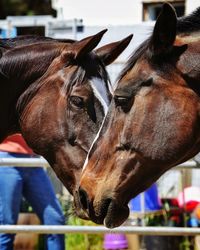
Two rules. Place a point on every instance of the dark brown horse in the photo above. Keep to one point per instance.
(153, 122)
(56, 94)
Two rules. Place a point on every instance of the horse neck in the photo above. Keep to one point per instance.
(16, 79)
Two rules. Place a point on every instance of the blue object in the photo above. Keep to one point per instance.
(35, 186)
(151, 200)
(193, 222)
(5, 33)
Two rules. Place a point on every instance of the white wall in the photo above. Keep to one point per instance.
(101, 12)
(191, 5)
(107, 12)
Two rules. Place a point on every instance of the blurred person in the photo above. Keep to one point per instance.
(34, 185)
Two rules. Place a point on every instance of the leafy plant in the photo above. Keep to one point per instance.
(83, 241)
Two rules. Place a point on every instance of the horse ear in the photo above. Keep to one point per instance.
(164, 32)
(87, 44)
(108, 53)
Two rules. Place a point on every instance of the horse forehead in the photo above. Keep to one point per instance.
(141, 70)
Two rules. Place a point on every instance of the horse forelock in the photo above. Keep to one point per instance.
(88, 69)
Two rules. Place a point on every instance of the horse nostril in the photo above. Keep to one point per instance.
(83, 199)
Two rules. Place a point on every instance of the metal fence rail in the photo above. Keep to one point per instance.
(24, 162)
(165, 231)
(41, 162)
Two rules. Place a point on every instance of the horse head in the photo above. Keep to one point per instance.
(153, 122)
(61, 113)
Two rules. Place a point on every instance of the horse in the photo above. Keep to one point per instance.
(153, 122)
(56, 94)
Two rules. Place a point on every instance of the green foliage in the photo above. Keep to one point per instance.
(25, 7)
(154, 220)
(186, 244)
(83, 241)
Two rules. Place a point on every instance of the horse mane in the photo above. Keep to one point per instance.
(186, 24)
(29, 39)
(10, 43)
(17, 61)
(190, 23)
(14, 62)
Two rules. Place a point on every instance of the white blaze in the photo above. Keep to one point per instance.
(101, 93)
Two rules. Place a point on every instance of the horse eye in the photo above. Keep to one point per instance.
(147, 83)
(121, 100)
(77, 101)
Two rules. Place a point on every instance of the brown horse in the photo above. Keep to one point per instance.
(56, 94)
(153, 122)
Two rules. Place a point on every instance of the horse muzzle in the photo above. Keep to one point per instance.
(106, 211)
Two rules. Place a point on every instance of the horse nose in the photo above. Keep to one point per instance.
(83, 198)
